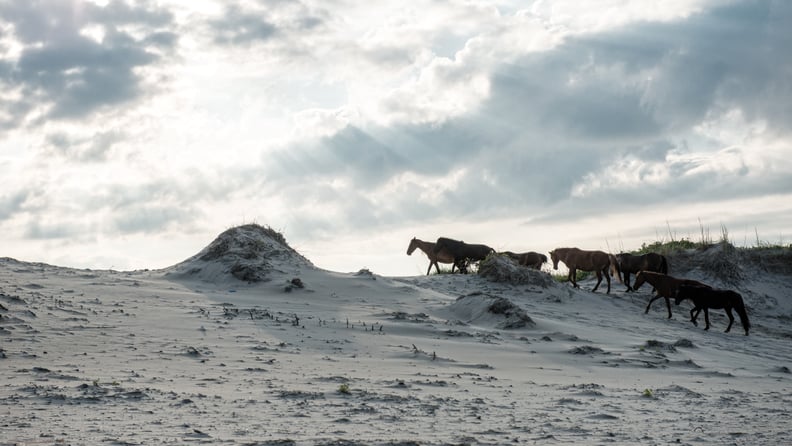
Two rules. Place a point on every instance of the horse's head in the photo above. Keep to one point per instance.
(554, 258)
(413, 245)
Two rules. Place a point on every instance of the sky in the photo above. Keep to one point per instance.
(133, 133)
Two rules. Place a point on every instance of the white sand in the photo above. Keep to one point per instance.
(191, 354)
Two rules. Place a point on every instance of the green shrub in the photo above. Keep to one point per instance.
(579, 275)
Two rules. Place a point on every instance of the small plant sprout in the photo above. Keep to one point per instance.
(344, 389)
(647, 393)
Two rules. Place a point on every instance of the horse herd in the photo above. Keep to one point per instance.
(651, 268)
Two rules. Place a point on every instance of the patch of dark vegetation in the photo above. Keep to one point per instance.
(516, 317)
(776, 259)
(587, 350)
(409, 317)
(501, 268)
(660, 346)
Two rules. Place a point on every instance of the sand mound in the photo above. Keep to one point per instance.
(486, 310)
(725, 265)
(250, 253)
(719, 262)
(500, 268)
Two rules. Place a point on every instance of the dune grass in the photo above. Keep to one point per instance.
(670, 244)
(579, 275)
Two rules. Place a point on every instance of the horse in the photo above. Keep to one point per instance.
(628, 263)
(665, 285)
(428, 249)
(462, 252)
(530, 259)
(706, 298)
(574, 259)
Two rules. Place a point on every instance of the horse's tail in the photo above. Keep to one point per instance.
(663, 265)
(614, 267)
(739, 306)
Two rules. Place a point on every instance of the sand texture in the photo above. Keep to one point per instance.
(248, 343)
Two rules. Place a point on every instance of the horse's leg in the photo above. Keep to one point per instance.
(607, 278)
(650, 303)
(731, 318)
(627, 281)
(668, 305)
(599, 280)
(462, 266)
(573, 277)
(694, 312)
(706, 318)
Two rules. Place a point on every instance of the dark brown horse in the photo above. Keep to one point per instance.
(627, 264)
(578, 259)
(665, 285)
(530, 259)
(434, 259)
(705, 298)
(462, 252)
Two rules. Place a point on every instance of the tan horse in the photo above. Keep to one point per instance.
(665, 285)
(434, 258)
(530, 259)
(578, 259)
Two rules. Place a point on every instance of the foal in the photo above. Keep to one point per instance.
(706, 298)
(665, 285)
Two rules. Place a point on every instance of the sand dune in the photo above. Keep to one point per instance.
(227, 348)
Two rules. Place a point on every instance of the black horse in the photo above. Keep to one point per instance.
(705, 298)
(463, 253)
(628, 263)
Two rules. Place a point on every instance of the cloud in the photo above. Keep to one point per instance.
(11, 204)
(76, 58)
(93, 148)
(37, 230)
(152, 218)
(245, 24)
(150, 118)
(603, 122)
(238, 27)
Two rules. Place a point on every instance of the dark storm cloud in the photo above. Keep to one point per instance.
(555, 117)
(71, 75)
